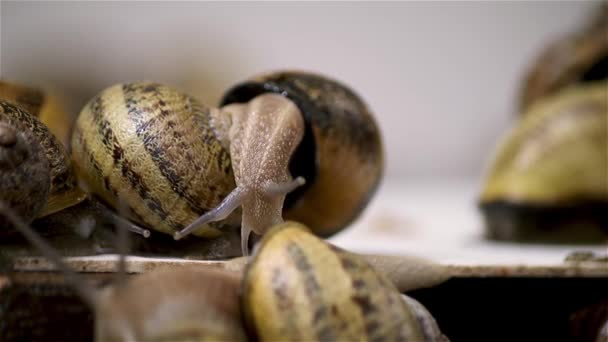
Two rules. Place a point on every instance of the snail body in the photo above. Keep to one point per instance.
(24, 168)
(552, 167)
(169, 305)
(341, 155)
(184, 168)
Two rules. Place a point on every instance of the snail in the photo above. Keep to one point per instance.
(53, 166)
(288, 138)
(24, 168)
(316, 292)
(45, 107)
(549, 174)
(64, 191)
(298, 287)
(573, 59)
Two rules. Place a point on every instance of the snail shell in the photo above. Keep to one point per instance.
(172, 305)
(24, 169)
(43, 106)
(340, 156)
(154, 146)
(298, 287)
(551, 169)
(64, 191)
(576, 58)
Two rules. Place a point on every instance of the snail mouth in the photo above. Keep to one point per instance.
(598, 71)
(580, 222)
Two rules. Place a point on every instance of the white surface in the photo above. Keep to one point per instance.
(441, 76)
(440, 221)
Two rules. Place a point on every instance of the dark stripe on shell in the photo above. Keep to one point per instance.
(284, 303)
(321, 326)
(122, 163)
(147, 130)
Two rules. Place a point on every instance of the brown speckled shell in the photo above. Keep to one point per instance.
(575, 58)
(64, 190)
(340, 156)
(23, 187)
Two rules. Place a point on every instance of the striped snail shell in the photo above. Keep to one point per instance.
(298, 287)
(24, 168)
(576, 58)
(340, 156)
(153, 146)
(551, 169)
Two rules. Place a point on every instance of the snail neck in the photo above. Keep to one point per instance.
(263, 135)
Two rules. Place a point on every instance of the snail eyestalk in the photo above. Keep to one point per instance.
(227, 206)
(130, 226)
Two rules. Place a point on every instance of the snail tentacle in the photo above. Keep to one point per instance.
(222, 211)
(122, 221)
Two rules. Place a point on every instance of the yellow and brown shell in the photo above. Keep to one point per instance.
(153, 146)
(552, 168)
(340, 156)
(298, 287)
(24, 168)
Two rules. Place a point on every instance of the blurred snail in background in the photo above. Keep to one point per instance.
(296, 286)
(551, 171)
(549, 178)
(287, 144)
(573, 59)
